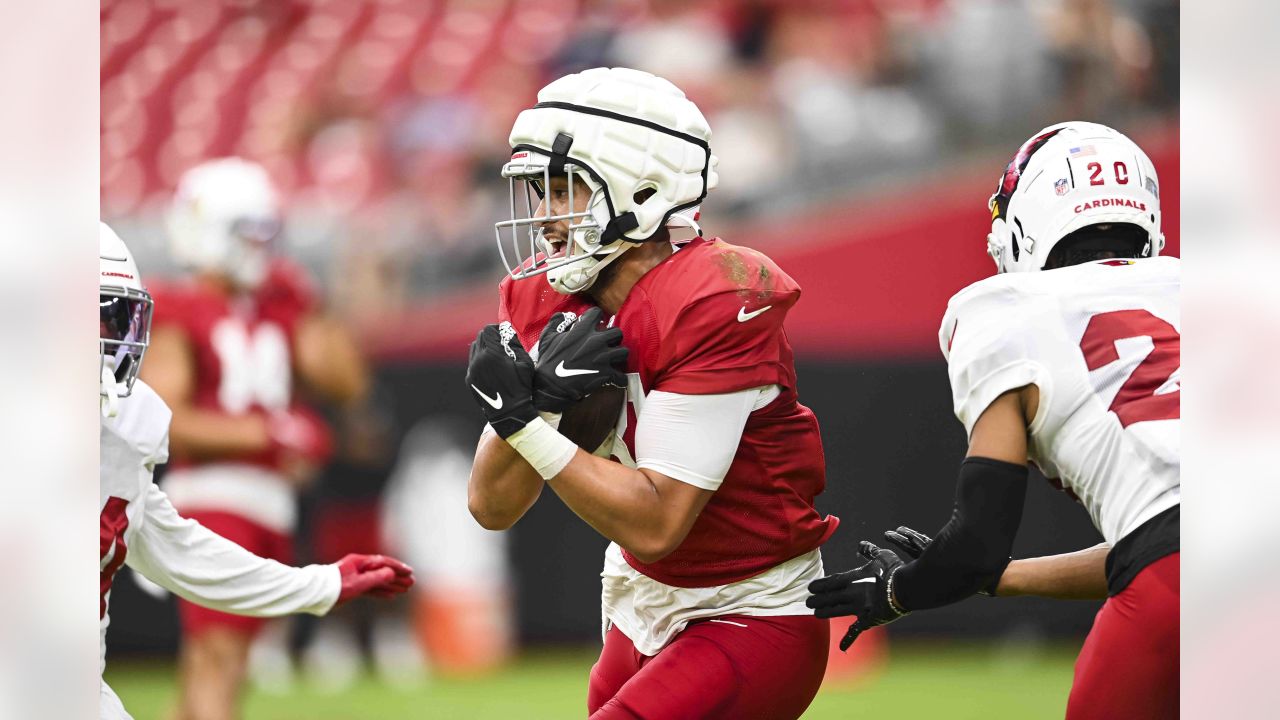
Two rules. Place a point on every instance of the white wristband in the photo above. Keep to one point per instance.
(543, 447)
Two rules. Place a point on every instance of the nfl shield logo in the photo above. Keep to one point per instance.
(1061, 187)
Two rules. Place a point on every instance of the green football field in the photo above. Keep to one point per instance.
(929, 681)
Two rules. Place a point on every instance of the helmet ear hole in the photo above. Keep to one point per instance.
(644, 193)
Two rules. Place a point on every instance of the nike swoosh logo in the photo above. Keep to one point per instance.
(495, 402)
(744, 316)
(562, 371)
(855, 582)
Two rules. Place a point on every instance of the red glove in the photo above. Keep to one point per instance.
(376, 575)
(299, 433)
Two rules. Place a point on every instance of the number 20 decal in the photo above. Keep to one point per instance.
(1119, 169)
(1137, 400)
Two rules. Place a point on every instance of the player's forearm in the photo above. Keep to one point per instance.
(329, 361)
(1080, 575)
(972, 550)
(646, 513)
(621, 503)
(210, 434)
(199, 565)
(267, 589)
(502, 486)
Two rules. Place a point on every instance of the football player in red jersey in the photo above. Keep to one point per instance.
(232, 344)
(708, 497)
(1068, 358)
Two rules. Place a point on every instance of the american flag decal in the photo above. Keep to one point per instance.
(1083, 151)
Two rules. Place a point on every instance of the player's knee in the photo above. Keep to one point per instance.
(220, 652)
(209, 697)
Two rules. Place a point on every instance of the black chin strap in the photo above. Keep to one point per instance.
(618, 227)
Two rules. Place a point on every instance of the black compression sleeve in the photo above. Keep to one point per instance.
(972, 550)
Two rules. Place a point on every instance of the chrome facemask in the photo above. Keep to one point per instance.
(124, 332)
(521, 241)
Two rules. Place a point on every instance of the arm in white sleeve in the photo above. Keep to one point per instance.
(195, 563)
(693, 438)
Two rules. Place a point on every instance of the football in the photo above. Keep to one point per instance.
(589, 422)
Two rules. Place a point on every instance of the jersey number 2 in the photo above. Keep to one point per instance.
(1138, 399)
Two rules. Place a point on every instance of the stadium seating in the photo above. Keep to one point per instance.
(247, 78)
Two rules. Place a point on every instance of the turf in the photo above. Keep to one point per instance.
(917, 682)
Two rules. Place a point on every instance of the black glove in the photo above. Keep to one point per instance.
(863, 591)
(501, 374)
(912, 542)
(575, 359)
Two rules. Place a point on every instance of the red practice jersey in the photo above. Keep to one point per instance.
(242, 346)
(708, 320)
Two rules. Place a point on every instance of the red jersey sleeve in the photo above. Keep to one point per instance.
(724, 343)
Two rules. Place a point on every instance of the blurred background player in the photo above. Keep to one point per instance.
(240, 349)
(458, 621)
(709, 503)
(340, 511)
(1069, 358)
(139, 526)
(463, 605)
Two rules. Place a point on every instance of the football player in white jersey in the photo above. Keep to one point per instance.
(138, 525)
(1068, 358)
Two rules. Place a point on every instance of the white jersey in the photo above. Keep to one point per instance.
(138, 526)
(1101, 342)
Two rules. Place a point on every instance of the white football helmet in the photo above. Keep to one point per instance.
(1066, 177)
(124, 318)
(622, 132)
(224, 217)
